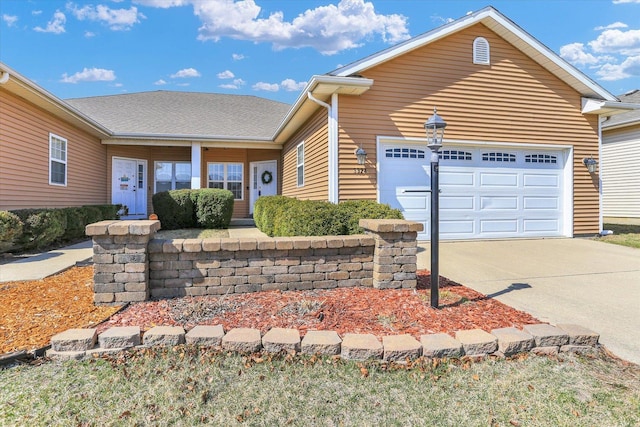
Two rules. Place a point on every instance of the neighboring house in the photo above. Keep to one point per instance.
(620, 169)
(520, 122)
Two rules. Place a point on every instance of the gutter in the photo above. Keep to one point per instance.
(332, 113)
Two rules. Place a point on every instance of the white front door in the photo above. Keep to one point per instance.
(263, 180)
(128, 186)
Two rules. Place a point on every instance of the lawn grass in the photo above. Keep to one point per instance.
(623, 234)
(189, 386)
(191, 233)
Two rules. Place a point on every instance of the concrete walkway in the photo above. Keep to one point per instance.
(581, 281)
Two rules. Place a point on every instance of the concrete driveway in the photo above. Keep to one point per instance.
(580, 281)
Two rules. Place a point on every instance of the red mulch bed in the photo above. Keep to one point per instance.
(356, 310)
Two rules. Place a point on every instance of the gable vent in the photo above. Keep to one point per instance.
(481, 51)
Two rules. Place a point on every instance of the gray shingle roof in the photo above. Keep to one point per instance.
(630, 117)
(178, 114)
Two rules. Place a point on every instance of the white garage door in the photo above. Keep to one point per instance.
(485, 192)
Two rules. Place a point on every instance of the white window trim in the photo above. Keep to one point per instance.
(225, 172)
(299, 164)
(481, 59)
(173, 173)
(64, 162)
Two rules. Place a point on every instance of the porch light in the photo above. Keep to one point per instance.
(434, 127)
(591, 164)
(361, 155)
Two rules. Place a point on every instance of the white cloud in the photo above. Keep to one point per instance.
(229, 86)
(116, 19)
(160, 82)
(575, 53)
(36, 12)
(185, 73)
(89, 34)
(629, 68)
(226, 75)
(90, 75)
(612, 26)
(625, 1)
(10, 20)
(269, 87)
(291, 85)
(237, 83)
(328, 29)
(55, 26)
(237, 57)
(439, 20)
(616, 41)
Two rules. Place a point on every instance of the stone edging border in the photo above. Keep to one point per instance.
(539, 339)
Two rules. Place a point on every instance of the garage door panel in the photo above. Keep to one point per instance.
(541, 225)
(454, 229)
(465, 203)
(507, 226)
(455, 178)
(537, 203)
(541, 180)
(498, 203)
(498, 179)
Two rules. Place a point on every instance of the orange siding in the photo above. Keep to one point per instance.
(314, 133)
(24, 159)
(513, 100)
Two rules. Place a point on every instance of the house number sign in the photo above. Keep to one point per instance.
(360, 171)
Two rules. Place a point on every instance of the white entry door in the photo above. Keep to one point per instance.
(263, 180)
(129, 187)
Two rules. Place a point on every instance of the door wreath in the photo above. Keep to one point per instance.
(266, 177)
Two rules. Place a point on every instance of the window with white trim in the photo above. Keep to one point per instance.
(172, 176)
(455, 155)
(541, 158)
(300, 164)
(481, 51)
(226, 176)
(57, 160)
(498, 157)
(404, 153)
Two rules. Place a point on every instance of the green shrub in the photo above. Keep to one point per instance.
(175, 209)
(107, 211)
(10, 230)
(76, 222)
(309, 218)
(41, 227)
(267, 211)
(352, 211)
(214, 207)
(91, 214)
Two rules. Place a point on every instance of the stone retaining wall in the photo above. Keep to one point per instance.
(130, 265)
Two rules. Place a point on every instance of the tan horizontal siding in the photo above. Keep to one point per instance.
(24, 159)
(620, 172)
(314, 133)
(514, 100)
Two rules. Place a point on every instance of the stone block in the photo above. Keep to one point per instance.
(279, 339)
(205, 335)
(321, 342)
(579, 335)
(164, 335)
(246, 340)
(195, 291)
(220, 290)
(399, 348)
(104, 298)
(283, 243)
(131, 296)
(275, 286)
(64, 355)
(477, 342)
(173, 246)
(74, 340)
(325, 284)
(440, 346)
(140, 267)
(546, 335)
(545, 351)
(211, 245)
(578, 349)
(192, 245)
(107, 287)
(300, 286)
(118, 228)
(120, 337)
(266, 244)
(513, 341)
(245, 289)
(361, 347)
(98, 228)
(276, 269)
(98, 352)
(144, 227)
(338, 275)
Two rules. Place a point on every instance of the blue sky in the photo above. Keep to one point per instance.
(270, 48)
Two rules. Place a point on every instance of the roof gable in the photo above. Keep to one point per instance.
(506, 29)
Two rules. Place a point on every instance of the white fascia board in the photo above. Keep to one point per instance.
(494, 20)
(598, 106)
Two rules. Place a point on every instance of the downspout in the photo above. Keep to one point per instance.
(332, 111)
(601, 120)
(4, 77)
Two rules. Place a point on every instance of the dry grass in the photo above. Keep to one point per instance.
(623, 234)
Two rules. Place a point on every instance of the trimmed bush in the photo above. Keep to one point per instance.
(284, 216)
(10, 230)
(175, 209)
(352, 211)
(76, 222)
(106, 211)
(41, 227)
(214, 207)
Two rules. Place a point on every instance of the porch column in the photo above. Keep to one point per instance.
(196, 165)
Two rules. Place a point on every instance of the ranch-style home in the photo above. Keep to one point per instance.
(520, 122)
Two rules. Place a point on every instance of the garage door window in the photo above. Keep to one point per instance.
(541, 158)
(404, 153)
(455, 155)
(498, 157)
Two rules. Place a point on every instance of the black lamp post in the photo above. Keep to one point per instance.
(435, 131)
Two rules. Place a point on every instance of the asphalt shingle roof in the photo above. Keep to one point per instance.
(177, 114)
(632, 97)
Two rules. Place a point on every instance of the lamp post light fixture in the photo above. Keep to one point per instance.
(434, 127)
(591, 164)
(361, 155)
